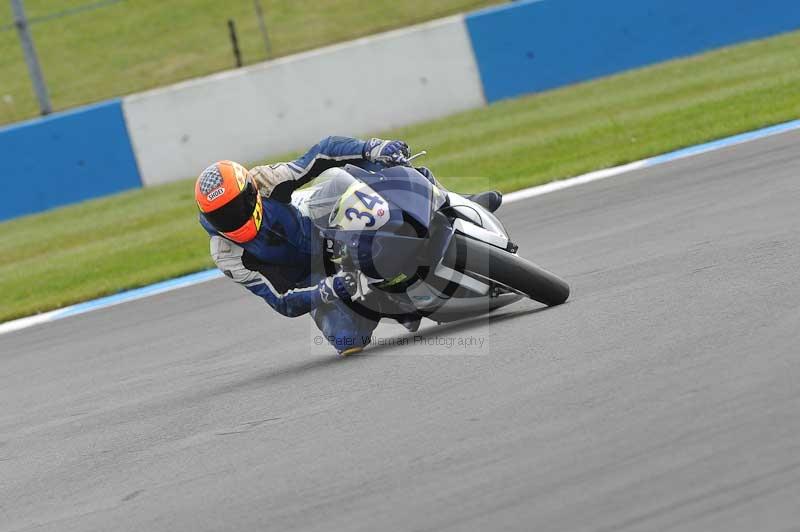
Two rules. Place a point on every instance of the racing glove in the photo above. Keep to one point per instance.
(387, 152)
(339, 286)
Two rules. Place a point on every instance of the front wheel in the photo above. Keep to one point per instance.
(468, 255)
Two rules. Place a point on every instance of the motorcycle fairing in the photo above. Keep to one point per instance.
(406, 189)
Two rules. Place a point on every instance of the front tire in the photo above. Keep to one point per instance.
(468, 255)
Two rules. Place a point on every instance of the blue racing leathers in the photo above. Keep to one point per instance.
(283, 264)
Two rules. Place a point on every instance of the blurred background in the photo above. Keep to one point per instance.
(91, 50)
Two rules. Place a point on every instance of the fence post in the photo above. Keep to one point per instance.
(25, 38)
(235, 42)
(263, 27)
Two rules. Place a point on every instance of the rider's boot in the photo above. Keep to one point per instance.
(410, 322)
(489, 200)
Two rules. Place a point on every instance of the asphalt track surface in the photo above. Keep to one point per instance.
(665, 395)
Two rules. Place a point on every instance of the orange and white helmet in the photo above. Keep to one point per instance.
(229, 199)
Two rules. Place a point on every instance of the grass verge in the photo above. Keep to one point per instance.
(129, 46)
(135, 238)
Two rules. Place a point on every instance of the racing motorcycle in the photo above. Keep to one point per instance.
(419, 250)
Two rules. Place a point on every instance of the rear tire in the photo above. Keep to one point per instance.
(468, 255)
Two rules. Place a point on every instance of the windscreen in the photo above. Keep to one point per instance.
(325, 192)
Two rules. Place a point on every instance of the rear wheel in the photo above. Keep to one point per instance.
(468, 255)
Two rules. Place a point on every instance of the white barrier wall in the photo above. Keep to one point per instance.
(355, 88)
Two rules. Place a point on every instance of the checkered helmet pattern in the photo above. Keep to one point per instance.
(210, 179)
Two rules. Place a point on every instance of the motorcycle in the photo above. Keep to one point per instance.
(419, 250)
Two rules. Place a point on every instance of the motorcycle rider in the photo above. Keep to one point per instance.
(261, 241)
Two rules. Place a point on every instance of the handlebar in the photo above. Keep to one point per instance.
(420, 154)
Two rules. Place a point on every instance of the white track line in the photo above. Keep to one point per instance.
(554, 186)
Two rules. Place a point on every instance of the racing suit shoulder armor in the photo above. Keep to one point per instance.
(268, 177)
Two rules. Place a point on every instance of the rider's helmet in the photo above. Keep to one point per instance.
(229, 200)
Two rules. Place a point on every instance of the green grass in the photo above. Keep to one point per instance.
(139, 237)
(140, 44)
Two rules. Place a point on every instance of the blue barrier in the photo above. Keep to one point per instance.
(65, 158)
(537, 45)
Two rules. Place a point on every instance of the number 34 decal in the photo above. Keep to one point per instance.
(369, 202)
